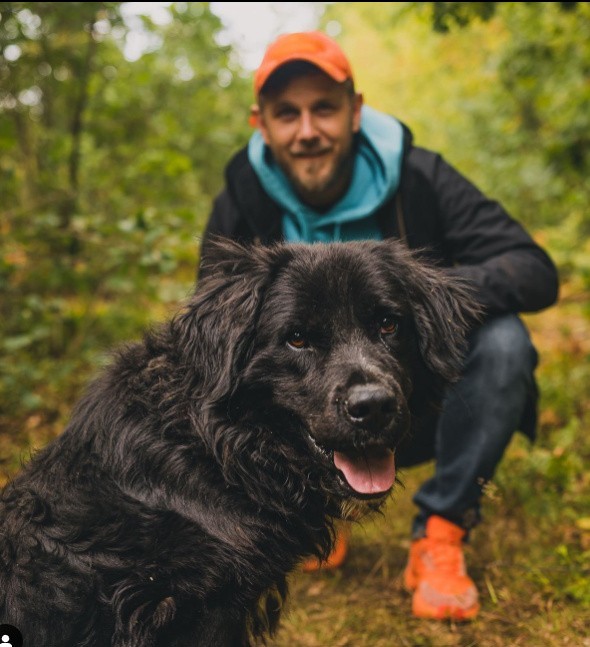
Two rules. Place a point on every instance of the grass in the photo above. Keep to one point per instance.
(511, 557)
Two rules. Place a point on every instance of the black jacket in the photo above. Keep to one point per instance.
(438, 211)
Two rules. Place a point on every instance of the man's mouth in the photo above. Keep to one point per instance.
(310, 154)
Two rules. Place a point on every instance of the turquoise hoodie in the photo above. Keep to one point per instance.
(375, 178)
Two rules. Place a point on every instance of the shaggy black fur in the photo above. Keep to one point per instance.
(200, 468)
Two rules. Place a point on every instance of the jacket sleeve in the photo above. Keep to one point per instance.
(242, 211)
(509, 270)
(222, 220)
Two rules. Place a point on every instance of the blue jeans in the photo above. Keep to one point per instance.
(479, 415)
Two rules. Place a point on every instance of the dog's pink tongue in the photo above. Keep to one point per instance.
(367, 473)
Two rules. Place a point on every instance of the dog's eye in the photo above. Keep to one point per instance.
(388, 326)
(297, 340)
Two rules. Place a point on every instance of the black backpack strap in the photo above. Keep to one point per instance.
(390, 218)
(399, 214)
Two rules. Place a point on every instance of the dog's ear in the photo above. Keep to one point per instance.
(217, 327)
(227, 257)
(443, 306)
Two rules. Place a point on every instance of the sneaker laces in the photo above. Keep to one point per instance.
(444, 556)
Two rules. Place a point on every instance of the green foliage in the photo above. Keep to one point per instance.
(575, 564)
(108, 169)
(446, 15)
(506, 100)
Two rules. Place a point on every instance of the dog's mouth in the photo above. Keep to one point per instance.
(369, 471)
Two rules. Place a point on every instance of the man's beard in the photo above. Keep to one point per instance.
(317, 189)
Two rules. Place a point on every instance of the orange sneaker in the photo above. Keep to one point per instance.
(436, 573)
(336, 558)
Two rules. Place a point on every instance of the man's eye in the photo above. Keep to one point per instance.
(324, 109)
(297, 340)
(388, 326)
(286, 113)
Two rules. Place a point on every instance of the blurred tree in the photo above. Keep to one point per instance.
(108, 165)
(74, 108)
(49, 52)
(446, 15)
(501, 89)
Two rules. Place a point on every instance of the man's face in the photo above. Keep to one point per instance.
(309, 127)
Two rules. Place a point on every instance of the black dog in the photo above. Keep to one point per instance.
(209, 459)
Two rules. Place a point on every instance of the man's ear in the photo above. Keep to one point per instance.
(254, 119)
(257, 121)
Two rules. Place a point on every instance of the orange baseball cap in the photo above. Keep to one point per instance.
(312, 46)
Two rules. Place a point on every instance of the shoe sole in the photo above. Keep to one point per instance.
(421, 609)
(445, 613)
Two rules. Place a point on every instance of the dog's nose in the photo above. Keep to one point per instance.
(370, 405)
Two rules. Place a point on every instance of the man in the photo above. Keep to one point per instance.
(321, 166)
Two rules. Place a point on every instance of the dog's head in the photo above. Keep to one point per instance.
(323, 344)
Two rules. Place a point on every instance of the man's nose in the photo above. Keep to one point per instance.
(307, 127)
